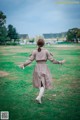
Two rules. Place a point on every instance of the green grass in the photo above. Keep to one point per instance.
(17, 94)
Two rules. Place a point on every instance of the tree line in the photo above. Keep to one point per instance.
(8, 35)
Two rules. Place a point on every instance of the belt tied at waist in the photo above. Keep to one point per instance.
(41, 61)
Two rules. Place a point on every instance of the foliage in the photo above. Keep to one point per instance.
(7, 36)
(73, 35)
(12, 34)
(2, 19)
(3, 35)
(31, 40)
(3, 29)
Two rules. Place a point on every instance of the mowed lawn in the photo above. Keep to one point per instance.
(17, 94)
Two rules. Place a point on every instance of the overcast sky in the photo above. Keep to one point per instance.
(35, 17)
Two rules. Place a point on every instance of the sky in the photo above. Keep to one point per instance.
(35, 17)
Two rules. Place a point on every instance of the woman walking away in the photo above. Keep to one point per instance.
(41, 76)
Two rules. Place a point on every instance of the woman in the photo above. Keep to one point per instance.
(41, 76)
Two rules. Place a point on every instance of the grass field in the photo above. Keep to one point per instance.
(17, 94)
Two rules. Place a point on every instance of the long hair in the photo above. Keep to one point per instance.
(40, 44)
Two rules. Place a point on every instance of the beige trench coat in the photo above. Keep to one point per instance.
(41, 71)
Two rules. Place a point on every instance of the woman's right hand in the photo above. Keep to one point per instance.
(21, 66)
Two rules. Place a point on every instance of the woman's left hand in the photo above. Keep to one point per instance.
(63, 61)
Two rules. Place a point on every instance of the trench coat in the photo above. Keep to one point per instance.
(41, 71)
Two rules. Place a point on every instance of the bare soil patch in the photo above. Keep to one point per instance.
(3, 73)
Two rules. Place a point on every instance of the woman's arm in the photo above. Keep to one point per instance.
(50, 57)
(30, 60)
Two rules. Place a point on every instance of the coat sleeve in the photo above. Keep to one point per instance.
(30, 60)
(50, 57)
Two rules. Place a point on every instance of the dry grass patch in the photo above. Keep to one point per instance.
(67, 47)
(14, 49)
(3, 73)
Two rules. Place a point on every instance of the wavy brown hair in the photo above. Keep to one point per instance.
(40, 44)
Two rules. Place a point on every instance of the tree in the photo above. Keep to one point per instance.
(7, 35)
(31, 40)
(2, 19)
(73, 35)
(78, 34)
(3, 29)
(3, 35)
(15, 35)
(12, 34)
